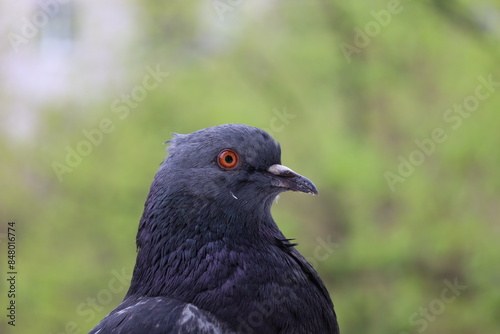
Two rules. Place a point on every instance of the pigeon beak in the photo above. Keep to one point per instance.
(287, 178)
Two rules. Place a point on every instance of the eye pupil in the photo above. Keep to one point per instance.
(229, 159)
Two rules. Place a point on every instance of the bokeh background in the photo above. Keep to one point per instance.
(390, 107)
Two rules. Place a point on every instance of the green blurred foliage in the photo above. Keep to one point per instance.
(390, 251)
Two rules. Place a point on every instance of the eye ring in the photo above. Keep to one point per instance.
(228, 159)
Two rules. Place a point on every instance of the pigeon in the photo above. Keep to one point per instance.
(210, 257)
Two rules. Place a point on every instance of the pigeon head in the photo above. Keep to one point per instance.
(229, 163)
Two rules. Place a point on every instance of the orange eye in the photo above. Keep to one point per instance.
(228, 159)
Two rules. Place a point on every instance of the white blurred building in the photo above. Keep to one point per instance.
(58, 50)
